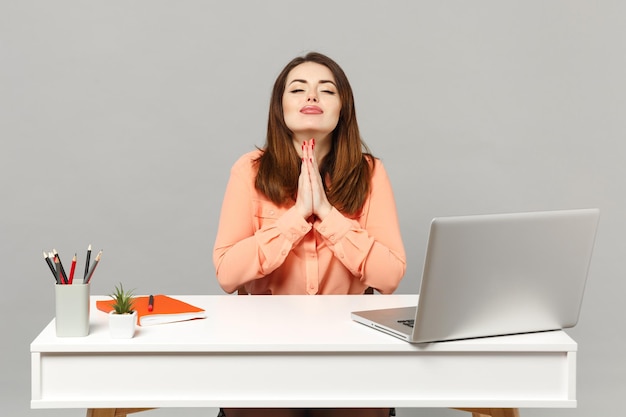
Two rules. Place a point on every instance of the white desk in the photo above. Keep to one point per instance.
(296, 351)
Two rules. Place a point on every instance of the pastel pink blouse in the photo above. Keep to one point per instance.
(269, 249)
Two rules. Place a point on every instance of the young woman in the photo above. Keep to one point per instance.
(312, 212)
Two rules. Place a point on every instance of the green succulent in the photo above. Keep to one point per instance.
(124, 300)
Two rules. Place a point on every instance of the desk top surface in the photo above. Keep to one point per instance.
(281, 324)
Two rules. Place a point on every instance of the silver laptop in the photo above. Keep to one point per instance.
(490, 275)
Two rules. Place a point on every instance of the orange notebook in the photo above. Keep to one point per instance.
(165, 310)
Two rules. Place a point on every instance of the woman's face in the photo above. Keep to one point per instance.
(311, 102)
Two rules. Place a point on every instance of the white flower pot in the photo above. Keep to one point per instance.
(122, 326)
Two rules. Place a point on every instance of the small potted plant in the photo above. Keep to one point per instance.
(123, 318)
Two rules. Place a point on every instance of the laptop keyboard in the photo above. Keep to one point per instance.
(409, 322)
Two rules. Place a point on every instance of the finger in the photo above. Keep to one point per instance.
(308, 154)
(305, 158)
(303, 195)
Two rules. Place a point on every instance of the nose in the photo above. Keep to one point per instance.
(312, 98)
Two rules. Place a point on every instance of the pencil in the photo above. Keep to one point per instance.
(87, 260)
(93, 267)
(63, 274)
(72, 268)
(50, 265)
(58, 265)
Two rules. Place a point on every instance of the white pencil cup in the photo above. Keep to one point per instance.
(72, 309)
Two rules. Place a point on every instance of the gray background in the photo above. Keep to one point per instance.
(119, 121)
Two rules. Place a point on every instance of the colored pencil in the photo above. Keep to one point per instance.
(57, 262)
(72, 268)
(63, 274)
(87, 260)
(93, 267)
(50, 265)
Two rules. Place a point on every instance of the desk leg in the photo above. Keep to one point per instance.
(113, 412)
(492, 412)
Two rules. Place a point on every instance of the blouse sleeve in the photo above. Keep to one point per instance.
(371, 248)
(242, 253)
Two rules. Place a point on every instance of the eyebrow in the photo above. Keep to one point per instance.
(299, 80)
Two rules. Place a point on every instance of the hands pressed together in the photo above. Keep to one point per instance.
(311, 198)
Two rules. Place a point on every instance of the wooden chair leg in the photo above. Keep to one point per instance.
(492, 412)
(114, 412)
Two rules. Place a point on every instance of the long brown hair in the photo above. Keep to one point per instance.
(347, 165)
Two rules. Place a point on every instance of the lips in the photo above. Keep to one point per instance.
(311, 110)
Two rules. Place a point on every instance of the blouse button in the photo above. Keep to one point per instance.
(271, 212)
(284, 252)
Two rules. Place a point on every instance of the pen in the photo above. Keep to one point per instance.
(150, 303)
(50, 265)
(72, 268)
(93, 267)
(87, 259)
